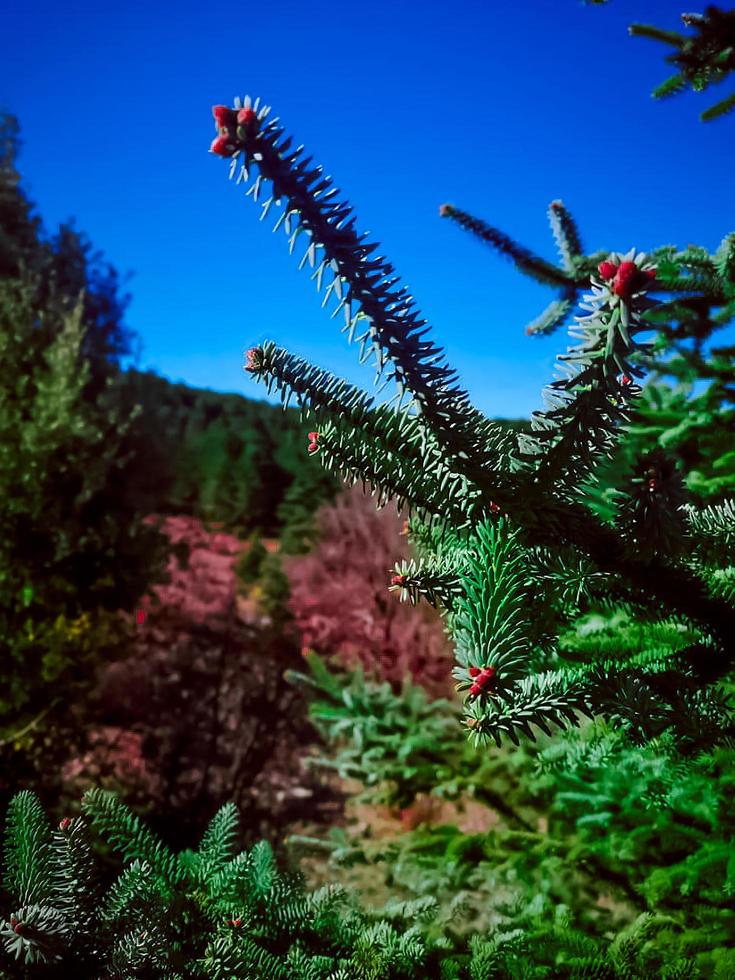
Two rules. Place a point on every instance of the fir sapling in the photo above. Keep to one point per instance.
(493, 510)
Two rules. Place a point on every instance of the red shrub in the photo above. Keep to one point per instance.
(341, 603)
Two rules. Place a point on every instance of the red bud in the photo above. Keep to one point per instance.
(627, 269)
(245, 117)
(475, 671)
(224, 116)
(607, 269)
(65, 823)
(475, 690)
(445, 210)
(625, 277)
(251, 359)
(399, 580)
(222, 146)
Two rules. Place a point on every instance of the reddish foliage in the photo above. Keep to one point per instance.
(341, 603)
(199, 713)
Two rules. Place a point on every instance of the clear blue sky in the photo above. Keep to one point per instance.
(495, 106)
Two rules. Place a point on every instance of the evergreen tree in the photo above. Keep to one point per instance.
(210, 913)
(219, 457)
(217, 912)
(511, 549)
(19, 227)
(73, 552)
(63, 270)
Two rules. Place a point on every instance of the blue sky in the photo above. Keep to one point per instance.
(497, 107)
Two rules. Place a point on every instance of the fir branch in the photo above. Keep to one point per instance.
(566, 234)
(217, 845)
(327, 398)
(589, 406)
(360, 458)
(127, 834)
(722, 108)
(542, 701)
(28, 850)
(132, 891)
(437, 580)
(703, 58)
(490, 618)
(712, 530)
(75, 885)
(533, 265)
(36, 934)
(366, 288)
(555, 315)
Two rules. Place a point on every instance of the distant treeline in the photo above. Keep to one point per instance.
(223, 457)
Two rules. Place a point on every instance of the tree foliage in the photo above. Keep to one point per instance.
(512, 549)
(582, 836)
(219, 912)
(702, 58)
(72, 550)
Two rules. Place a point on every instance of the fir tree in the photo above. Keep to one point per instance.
(210, 913)
(509, 543)
(73, 551)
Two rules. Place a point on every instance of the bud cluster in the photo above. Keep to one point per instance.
(233, 127)
(313, 442)
(254, 360)
(483, 678)
(626, 278)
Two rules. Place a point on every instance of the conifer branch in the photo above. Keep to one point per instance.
(533, 265)
(28, 849)
(712, 530)
(327, 398)
(366, 289)
(545, 701)
(493, 498)
(589, 406)
(703, 58)
(490, 620)
(358, 457)
(566, 234)
(437, 580)
(126, 832)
